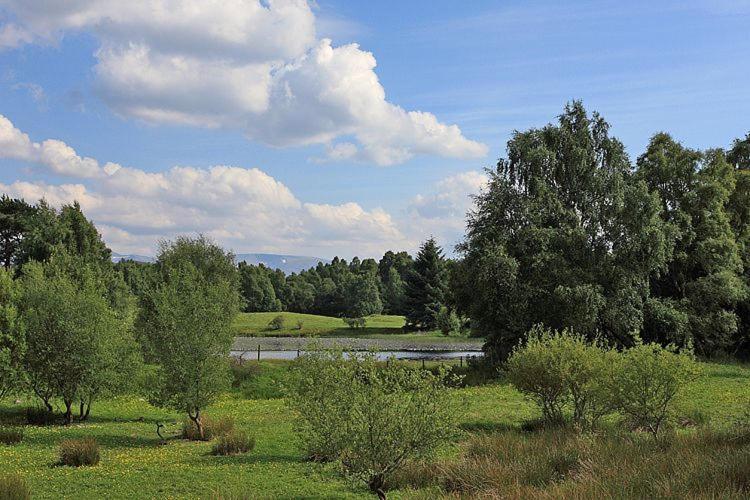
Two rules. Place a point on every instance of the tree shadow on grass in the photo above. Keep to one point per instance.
(488, 427)
(249, 459)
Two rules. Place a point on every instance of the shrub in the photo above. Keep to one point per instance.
(233, 443)
(560, 370)
(355, 323)
(300, 324)
(212, 428)
(371, 417)
(648, 380)
(36, 415)
(11, 435)
(13, 487)
(448, 322)
(277, 323)
(79, 452)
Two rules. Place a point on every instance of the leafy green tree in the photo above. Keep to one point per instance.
(703, 281)
(14, 219)
(426, 287)
(74, 336)
(362, 296)
(257, 289)
(739, 211)
(188, 323)
(562, 236)
(12, 336)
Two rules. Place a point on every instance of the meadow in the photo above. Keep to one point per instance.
(497, 443)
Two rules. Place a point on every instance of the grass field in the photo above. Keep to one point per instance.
(378, 326)
(134, 464)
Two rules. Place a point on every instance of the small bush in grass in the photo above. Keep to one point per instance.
(373, 418)
(212, 428)
(355, 323)
(79, 452)
(277, 323)
(13, 487)
(11, 435)
(233, 443)
(448, 322)
(300, 324)
(560, 370)
(647, 382)
(36, 415)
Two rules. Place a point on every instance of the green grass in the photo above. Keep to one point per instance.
(256, 325)
(134, 464)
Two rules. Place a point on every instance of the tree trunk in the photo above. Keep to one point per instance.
(88, 410)
(376, 486)
(80, 411)
(68, 412)
(198, 423)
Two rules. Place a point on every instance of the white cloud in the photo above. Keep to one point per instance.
(54, 154)
(255, 65)
(442, 212)
(242, 208)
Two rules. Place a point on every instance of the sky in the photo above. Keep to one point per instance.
(335, 127)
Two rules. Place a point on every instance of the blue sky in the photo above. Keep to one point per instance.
(486, 67)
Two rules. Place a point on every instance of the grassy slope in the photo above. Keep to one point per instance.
(135, 465)
(379, 326)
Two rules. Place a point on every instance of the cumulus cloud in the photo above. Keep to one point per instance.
(256, 65)
(242, 208)
(442, 211)
(54, 154)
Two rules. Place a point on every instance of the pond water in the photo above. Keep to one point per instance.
(380, 355)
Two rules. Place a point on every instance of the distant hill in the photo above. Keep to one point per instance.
(287, 263)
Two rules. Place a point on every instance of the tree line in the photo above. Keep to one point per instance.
(570, 233)
(417, 288)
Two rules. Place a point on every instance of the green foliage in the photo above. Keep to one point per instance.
(355, 323)
(79, 452)
(647, 381)
(78, 346)
(12, 336)
(703, 283)
(371, 417)
(233, 442)
(426, 287)
(448, 322)
(14, 221)
(563, 236)
(257, 288)
(561, 370)
(277, 323)
(258, 380)
(212, 428)
(187, 320)
(11, 435)
(362, 296)
(14, 487)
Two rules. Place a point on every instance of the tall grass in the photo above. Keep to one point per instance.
(13, 487)
(565, 464)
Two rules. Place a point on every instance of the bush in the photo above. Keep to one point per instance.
(647, 381)
(277, 323)
(448, 322)
(233, 443)
(371, 417)
(11, 435)
(13, 487)
(36, 415)
(212, 428)
(561, 370)
(79, 452)
(355, 323)
(300, 324)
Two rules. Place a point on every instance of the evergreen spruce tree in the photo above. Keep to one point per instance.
(426, 287)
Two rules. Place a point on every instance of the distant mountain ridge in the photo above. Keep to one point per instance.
(287, 263)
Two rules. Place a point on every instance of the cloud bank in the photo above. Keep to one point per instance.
(254, 65)
(241, 208)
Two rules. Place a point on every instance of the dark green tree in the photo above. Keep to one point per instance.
(257, 289)
(563, 236)
(362, 296)
(694, 301)
(14, 221)
(426, 287)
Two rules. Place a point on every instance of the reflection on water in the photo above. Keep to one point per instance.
(380, 355)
